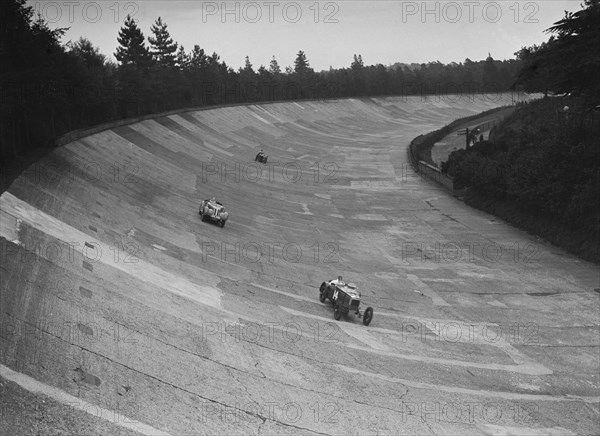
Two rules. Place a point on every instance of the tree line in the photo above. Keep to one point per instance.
(50, 88)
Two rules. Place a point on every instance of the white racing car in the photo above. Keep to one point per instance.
(214, 211)
(345, 297)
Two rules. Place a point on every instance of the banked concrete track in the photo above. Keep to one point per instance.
(123, 313)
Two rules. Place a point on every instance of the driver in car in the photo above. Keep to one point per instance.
(339, 281)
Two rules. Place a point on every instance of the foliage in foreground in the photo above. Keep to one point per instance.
(541, 166)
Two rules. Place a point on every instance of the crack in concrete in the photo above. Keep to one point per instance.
(405, 393)
(323, 392)
(264, 419)
(257, 415)
(261, 373)
(428, 426)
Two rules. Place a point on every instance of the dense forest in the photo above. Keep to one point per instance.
(540, 169)
(50, 87)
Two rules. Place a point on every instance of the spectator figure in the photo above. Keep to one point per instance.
(473, 138)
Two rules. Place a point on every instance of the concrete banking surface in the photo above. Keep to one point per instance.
(123, 313)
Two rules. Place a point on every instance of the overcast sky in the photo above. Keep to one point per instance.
(330, 33)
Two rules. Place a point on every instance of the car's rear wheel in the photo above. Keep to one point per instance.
(337, 312)
(368, 316)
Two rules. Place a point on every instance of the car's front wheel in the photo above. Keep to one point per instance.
(323, 292)
(368, 316)
(337, 312)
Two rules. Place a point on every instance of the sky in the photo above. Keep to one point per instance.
(329, 32)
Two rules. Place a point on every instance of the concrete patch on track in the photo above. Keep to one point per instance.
(305, 210)
(369, 217)
(427, 291)
(374, 185)
(391, 276)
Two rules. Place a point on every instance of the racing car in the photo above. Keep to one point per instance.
(345, 297)
(214, 211)
(261, 157)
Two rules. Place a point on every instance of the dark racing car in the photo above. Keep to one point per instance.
(261, 157)
(345, 297)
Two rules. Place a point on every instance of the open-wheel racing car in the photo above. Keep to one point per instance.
(213, 210)
(345, 297)
(261, 157)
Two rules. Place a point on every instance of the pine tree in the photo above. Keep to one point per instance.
(301, 65)
(569, 60)
(357, 64)
(132, 50)
(357, 72)
(247, 73)
(183, 60)
(263, 72)
(248, 66)
(491, 77)
(274, 66)
(198, 60)
(163, 47)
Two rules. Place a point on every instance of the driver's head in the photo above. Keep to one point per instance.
(340, 278)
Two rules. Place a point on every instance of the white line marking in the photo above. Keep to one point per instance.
(501, 430)
(458, 390)
(62, 397)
